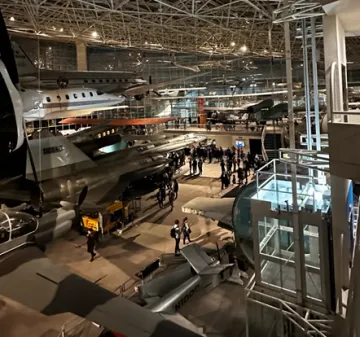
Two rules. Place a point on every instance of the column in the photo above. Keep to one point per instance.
(335, 51)
(81, 56)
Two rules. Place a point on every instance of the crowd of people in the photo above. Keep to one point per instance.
(234, 163)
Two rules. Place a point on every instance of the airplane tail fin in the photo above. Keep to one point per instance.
(12, 148)
(55, 157)
(24, 65)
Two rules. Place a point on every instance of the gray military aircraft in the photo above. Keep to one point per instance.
(169, 292)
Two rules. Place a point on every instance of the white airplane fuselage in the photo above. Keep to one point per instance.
(43, 104)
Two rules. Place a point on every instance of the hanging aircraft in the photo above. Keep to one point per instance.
(63, 103)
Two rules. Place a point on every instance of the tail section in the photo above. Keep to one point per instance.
(26, 68)
(11, 109)
(55, 157)
(201, 262)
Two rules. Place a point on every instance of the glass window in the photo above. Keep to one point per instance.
(107, 81)
(67, 96)
(75, 96)
(100, 81)
(83, 94)
(100, 92)
(86, 81)
(114, 80)
(93, 81)
(58, 98)
(91, 94)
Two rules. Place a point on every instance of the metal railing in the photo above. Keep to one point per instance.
(309, 322)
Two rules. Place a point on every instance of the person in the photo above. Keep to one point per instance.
(194, 164)
(233, 179)
(186, 231)
(171, 199)
(91, 243)
(175, 234)
(222, 178)
(222, 164)
(200, 165)
(176, 189)
(159, 199)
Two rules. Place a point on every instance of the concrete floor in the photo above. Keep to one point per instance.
(119, 258)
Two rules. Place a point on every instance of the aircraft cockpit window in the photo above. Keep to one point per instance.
(100, 92)
(48, 99)
(107, 81)
(91, 94)
(104, 134)
(16, 224)
(83, 94)
(75, 96)
(58, 98)
(100, 81)
(112, 131)
(108, 132)
(67, 97)
(126, 79)
(114, 80)
(86, 81)
(93, 81)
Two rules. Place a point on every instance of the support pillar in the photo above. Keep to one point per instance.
(335, 51)
(81, 56)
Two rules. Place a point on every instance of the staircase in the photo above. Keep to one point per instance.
(270, 144)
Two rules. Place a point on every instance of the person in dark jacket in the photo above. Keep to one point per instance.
(91, 240)
(171, 199)
(200, 165)
(222, 165)
(177, 234)
(176, 188)
(194, 164)
(159, 199)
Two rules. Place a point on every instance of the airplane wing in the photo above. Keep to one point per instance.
(29, 277)
(142, 89)
(107, 193)
(216, 209)
(117, 122)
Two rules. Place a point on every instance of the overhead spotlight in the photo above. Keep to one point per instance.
(273, 84)
(12, 19)
(244, 48)
(232, 44)
(129, 54)
(53, 28)
(61, 30)
(95, 34)
(265, 51)
(146, 42)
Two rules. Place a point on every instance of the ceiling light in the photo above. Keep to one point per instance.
(244, 48)
(12, 19)
(146, 42)
(53, 28)
(94, 34)
(61, 30)
(232, 44)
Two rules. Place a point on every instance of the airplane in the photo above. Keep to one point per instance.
(259, 94)
(200, 273)
(62, 103)
(107, 81)
(112, 82)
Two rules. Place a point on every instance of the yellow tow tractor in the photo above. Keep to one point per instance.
(114, 217)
